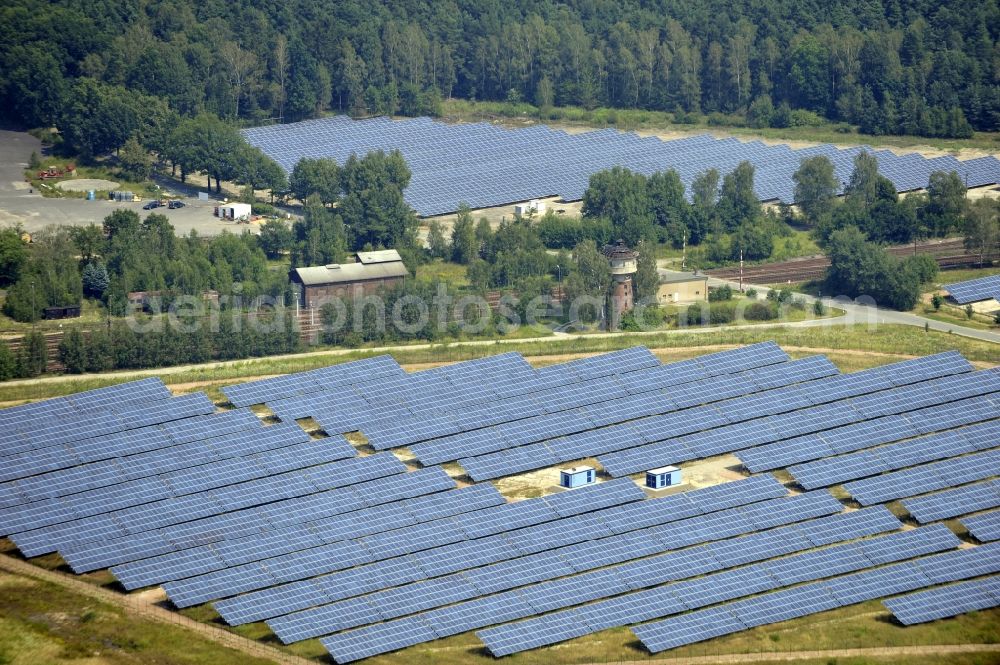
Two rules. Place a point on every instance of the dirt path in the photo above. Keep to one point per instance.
(137, 607)
(891, 653)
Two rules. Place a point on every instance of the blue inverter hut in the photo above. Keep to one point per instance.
(578, 476)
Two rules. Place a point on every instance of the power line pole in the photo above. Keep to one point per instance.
(741, 270)
(684, 251)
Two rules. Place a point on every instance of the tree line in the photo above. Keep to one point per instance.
(888, 66)
(129, 254)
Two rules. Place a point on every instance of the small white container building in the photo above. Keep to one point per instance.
(532, 207)
(665, 476)
(233, 211)
(578, 476)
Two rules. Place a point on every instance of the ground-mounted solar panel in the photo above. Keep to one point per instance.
(974, 290)
(942, 602)
(962, 564)
(689, 629)
(954, 502)
(283, 387)
(380, 638)
(524, 570)
(984, 527)
(924, 478)
(449, 162)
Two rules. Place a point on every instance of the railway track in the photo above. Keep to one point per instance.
(948, 253)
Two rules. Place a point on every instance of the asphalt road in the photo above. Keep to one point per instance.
(34, 212)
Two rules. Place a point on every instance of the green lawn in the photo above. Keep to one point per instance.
(961, 275)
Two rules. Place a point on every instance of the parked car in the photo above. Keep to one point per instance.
(151, 205)
(175, 204)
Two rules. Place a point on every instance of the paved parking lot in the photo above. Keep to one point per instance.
(33, 212)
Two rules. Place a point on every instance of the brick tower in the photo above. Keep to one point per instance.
(624, 264)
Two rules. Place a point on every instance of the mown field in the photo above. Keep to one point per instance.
(853, 346)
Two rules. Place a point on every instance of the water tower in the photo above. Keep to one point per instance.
(624, 263)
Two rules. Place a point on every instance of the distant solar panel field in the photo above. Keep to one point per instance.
(484, 165)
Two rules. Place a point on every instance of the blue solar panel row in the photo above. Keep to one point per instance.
(325, 378)
(115, 398)
(975, 290)
(143, 439)
(55, 431)
(133, 468)
(593, 380)
(944, 602)
(954, 502)
(624, 520)
(674, 419)
(457, 391)
(403, 427)
(485, 525)
(480, 163)
(792, 416)
(985, 527)
(664, 566)
(647, 397)
(719, 587)
(799, 601)
(329, 516)
(951, 443)
(624, 609)
(858, 436)
(220, 503)
(925, 478)
(297, 451)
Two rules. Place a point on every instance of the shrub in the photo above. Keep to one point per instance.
(937, 301)
(805, 118)
(760, 311)
(721, 314)
(751, 293)
(260, 208)
(720, 294)
(819, 309)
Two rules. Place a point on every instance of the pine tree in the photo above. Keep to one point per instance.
(72, 352)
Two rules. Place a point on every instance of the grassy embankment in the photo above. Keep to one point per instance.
(850, 346)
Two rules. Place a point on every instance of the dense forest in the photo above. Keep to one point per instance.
(888, 66)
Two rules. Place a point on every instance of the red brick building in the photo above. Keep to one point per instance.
(370, 272)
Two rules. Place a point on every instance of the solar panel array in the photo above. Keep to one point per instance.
(946, 601)
(950, 443)
(484, 165)
(271, 523)
(820, 596)
(677, 597)
(536, 553)
(975, 290)
(805, 409)
(644, 564)
(984, 527)
(954, 502)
